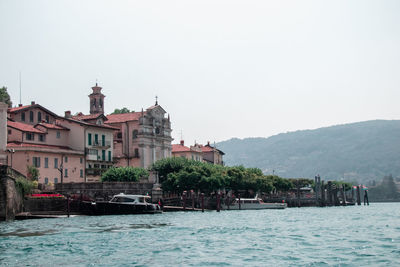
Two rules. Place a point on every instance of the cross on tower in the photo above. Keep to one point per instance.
(156, 100)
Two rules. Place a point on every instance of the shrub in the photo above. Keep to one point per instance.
(124, 174)
(24, 186)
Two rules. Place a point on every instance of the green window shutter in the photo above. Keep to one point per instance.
(89, 139)
(103, 140)
(96, 139)
(103, 155)
(109, 155)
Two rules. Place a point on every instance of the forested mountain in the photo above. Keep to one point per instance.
(362, 151)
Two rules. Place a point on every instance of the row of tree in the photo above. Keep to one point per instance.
(180, 174)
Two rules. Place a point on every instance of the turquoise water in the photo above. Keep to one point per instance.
(337, 236)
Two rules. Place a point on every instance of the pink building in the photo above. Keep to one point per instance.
(44, 146)
(192, 152)
(143, 137)
(212, 154)
(75, 149)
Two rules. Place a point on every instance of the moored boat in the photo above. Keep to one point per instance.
(121, 204)
(251, 204)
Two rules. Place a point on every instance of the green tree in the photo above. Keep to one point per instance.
(120, 111)
(33, 173)
(5, 97)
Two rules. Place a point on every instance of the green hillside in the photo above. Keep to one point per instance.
(362, 151)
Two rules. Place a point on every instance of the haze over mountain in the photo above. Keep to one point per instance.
(362, 151)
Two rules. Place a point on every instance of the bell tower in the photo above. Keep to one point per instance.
(96, 100)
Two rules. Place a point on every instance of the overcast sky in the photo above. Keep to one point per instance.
(221, 69)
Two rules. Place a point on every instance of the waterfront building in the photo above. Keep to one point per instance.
(3, 133)
(143, 137)
(44, 146)
(73, 148)
(193, 152)
(212, 155)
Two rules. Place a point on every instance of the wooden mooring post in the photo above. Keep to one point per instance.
(343, 195)
(184, 200)
(329, 191)
(218, 202)
(322, 194)
(239, 202)
(358, 195)
(366, 197)
(298, 193)
(202, 202)
(192, 193)
(68, 207)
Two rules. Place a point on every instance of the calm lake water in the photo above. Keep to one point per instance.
(337, 236)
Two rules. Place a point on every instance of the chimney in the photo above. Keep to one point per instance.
(33, 103)
(67, 114)
(208, 143)
(19, 105)
(182, 143)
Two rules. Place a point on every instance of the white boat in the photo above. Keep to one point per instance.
(122, 204)
(251, 204)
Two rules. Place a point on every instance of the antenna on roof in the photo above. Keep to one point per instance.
(20, 85)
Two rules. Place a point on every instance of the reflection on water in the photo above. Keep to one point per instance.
(26, 233)
(353, 236)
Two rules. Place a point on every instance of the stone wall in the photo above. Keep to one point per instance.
(104, 190)
(10, 199)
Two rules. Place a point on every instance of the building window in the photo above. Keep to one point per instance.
(23, 116)
(80, 160)
(30, 136)
(36, 162)
(66, 159)
(136, 152)
(46, 162)
(103, 140)
(39, 116)
(9, 131)
(81, 173)
(158, 130)
(134, 134)
(31, 116)
(119, 135)
(65, 173)
(93, 152)
(89, 139)
(58, 134)
(103, 155)
(109, 155)
(56, 163)
(47, 119)
(46, 180)
(96, 139)
(55, 180)
(41, 137)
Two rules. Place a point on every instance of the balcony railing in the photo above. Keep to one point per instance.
(95, 171)
(101, 144)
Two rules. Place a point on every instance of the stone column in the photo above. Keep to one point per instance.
(3, 133)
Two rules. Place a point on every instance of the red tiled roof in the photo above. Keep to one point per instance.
(206, 149)
(52, 126)
(86, 117)
(16, 145)
(180, 148)
(23, 127)
(123, 117)
(18, 108)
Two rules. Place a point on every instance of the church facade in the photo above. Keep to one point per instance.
(143, 137)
